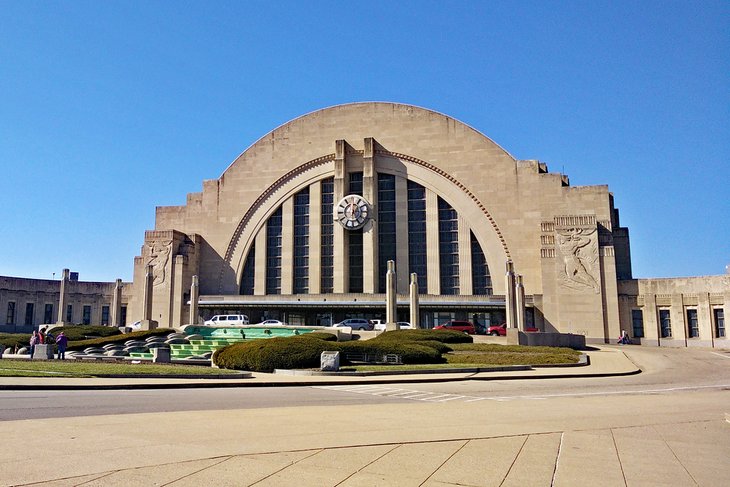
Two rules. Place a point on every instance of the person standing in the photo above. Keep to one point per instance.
(61, 342)
(33, 342)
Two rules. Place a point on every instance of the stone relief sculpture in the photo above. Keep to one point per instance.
(579, 268)
(159, 253)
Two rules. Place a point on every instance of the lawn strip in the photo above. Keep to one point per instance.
(70, 368)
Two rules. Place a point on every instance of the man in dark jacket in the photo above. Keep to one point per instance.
(61, 342)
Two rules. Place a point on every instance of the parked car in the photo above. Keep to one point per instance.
(458, 325)
(227, 320)
(497, 330)
(271, 322)
(380, 326)
(355, 324)
(501, 330)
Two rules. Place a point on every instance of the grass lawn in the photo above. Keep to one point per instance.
(487, 354)
(72, 368)
(494, 354)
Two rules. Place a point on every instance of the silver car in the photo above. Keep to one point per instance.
(355, 324)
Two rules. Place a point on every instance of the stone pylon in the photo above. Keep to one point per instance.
(509, 295)
(414, 307)
(116, 304)
(391, 301)
(194, 295)
(63, 298)
(149, 278)
(520, 303)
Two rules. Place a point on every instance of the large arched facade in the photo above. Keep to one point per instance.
(443, 201)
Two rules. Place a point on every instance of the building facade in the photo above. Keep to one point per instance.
(301, 225)
(28, 304)
(303, 222)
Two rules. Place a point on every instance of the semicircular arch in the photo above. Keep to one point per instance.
(464, 201)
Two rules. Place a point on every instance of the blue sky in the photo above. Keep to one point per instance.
(108, 109)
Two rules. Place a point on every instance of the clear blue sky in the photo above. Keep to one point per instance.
(108, 108)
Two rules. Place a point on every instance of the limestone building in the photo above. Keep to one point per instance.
(31, 303)
(301, 225)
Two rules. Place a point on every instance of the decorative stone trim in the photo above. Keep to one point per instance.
(456, 183)
(268, 192)
(265, 195)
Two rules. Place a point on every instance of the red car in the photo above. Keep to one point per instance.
(497, 330)
(501, 330)
(465, 326)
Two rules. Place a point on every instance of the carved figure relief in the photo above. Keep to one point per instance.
(579, 267)
(159, 254)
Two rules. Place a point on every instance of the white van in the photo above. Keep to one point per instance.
(228, 320)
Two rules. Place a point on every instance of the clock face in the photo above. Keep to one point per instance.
(352, 212)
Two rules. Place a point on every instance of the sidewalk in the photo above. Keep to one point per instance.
(595, 440)
(604, 362)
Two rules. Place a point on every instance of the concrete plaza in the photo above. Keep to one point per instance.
(602, 439)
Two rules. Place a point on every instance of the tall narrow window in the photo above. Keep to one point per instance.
(356, 265)
(665, 323)
(417, 234)
(355, 241)
(637, 321)
(105, 315)
(386, 226)
(48, 314)
(249, 272)
(86, 318)
(448, 248)
(693, 327)
(355, 184)
(327, 238)
(10, 316)
(719, 316)
(273, 253)
(123, 316)
(481, 280)
(69, 313)
(29, 308)
(301, 242)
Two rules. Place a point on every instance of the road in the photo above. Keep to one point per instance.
(666, 372)
(666, 426)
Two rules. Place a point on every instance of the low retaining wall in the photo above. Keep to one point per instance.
(540, 339)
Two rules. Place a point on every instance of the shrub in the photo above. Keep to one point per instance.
(11, 340)
(274, 353)
(303, 351)
(83, 332)
(410, 352)
(438, 346)
(444, 336)
(136, 335)
(320, 335)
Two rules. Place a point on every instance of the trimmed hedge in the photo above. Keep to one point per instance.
(303, 351)
(273, 353)
(410, 352)
(83, 332)
(136, 335)
(11, 340)
(319, 335)
(443, 336)
(74, 333)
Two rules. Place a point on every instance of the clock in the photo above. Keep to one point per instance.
(352, 212)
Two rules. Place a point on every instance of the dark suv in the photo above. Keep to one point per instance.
(457, 325)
